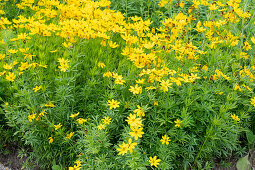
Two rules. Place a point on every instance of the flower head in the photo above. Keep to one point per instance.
(177, 123)
(154, 161)
(165, 140)
(234, 117)
(58, 126)
(113, 104)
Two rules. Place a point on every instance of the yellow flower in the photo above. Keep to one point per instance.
(234, 117)
(101, 126)
(50, 140)
(237, 87)
(165, 140)
(75, 167)
(253, 40)
(49, 105)
(10, 77)
(103, 42)
(74, 115)
(2, 56)
(155, 103)
(165, 85)
(107, 74)
(113, 104)
(123, 149)
(139, 111)
(31, 117)
(69, 135)
(205, 68)
(101, 65)
(131, 145)
(8, 66)
(37, 88)
(106, 120)
(136, 89)
(113, 44)
(119, 81)
(67, 45)
(253, 101)
(182, 4)
(2, 42)
(177, 123)
(136, 132)
(81, 120)
(154, 161)
(12, 51)
(57, 126)
(133, 121)
(63, 64)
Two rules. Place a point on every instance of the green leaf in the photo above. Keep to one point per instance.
(250, 137)
(56, 167)
(243, 163)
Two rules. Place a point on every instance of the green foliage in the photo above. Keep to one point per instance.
(64, 120)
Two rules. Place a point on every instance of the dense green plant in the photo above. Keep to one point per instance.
(81, 79)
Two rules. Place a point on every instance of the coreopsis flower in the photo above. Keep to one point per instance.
(234, 117)
(253, 101)
(177, 123)
(11, 77)
(139, 111)
(49, 105)
(69, 135)
(107, 74)
(106, 120)
(63, 64)
(136, 132)
(165, 85)
(219, 93)
(50, 140)
(101, 65)
(113, 44)
(165, 140)
(134, 121)
(58, 126)
(123, 149)
(140, 81)
(2, 56)
(162, 3)
(101, 126)
(2, 42)
(253, 40)
(119, 81)
(113, 104)
(131, 145)
(8, 66)
(103, 42)
(182, 4)
(154, 161)
(205, 68)
(136, 89)
(81, 120)
(37, 88)
(12, 51)
(74, 115)
(237, 87)
(67, 45)
(31, 117)
(247, 46)
(155, 103)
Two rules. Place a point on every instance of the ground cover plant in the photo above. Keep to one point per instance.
(121, 85)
